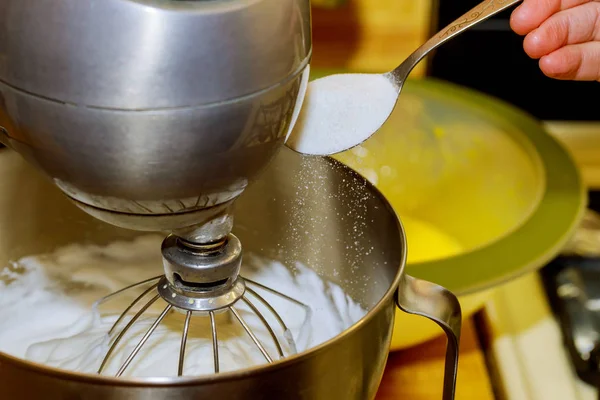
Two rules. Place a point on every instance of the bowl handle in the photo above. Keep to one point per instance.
(415, 296)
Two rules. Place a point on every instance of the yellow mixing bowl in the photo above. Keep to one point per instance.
(484, 193)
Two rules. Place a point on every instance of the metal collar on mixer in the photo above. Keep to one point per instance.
(201, 277)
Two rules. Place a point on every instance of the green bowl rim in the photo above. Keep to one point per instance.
(539, 238)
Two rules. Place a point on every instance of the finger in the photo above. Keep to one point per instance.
(531, 13)
(580, 62)
(572, 26)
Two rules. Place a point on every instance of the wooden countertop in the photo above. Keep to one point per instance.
(582, 140)
(417, 373)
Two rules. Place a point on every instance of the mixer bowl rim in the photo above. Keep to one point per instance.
(97, 379)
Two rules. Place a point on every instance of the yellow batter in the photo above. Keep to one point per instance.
(427, 243)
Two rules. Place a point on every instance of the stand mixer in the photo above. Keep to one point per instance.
(155, 116)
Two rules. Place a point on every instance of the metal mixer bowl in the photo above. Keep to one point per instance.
(311, 210)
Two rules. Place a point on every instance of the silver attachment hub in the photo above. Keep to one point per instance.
(201, 277)
(202, 302)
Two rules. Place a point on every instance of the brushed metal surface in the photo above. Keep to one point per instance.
(151, 107)
(148, 54)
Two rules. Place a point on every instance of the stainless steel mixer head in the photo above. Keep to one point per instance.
(152, 115)
(199, 281)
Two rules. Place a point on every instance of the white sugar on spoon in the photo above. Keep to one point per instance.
(341, 111)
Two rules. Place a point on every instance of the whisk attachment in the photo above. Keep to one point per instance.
(200, 281)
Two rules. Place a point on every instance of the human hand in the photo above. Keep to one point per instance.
(563, 34)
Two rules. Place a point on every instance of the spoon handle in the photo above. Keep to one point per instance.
(478, 14)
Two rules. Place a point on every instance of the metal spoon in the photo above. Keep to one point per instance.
(343, 110)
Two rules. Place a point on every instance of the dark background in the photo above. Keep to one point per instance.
(490, 58)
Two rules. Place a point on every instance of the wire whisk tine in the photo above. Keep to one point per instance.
(186, 328)
(144, 339)
(277, 293)
(126, 288)
(115, 343)
(266, 325)
(268, 306)
(133, 304)
(251, 334)
(215, 341)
